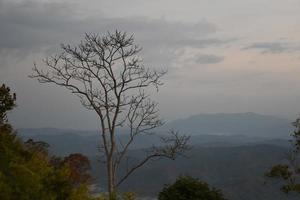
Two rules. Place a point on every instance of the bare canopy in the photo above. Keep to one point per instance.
(108, 76)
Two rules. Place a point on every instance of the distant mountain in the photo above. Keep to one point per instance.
(54, 131)
(247, 124)
(229, 151)
(64, 142)
(234, 163)
(250, 124)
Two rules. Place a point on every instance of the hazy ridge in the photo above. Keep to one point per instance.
(234, 161)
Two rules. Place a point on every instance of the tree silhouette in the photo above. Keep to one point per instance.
(108, 76)
(188, 188)
(7, 103)
(79, 166)
(289, 171)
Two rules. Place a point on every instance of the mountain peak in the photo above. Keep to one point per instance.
(249, 123)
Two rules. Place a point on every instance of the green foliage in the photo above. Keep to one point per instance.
(187, 188)
(129, 196)
(7, 102)
(124, 196)
(296, 136)
(27, 172)
(289, 173)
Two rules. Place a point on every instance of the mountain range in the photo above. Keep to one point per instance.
(229, 151)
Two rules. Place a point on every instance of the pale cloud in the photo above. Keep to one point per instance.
(210, 70)
(30, 27)
(208, 59)
(274, 47)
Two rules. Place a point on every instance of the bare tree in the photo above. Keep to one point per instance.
(108, 76)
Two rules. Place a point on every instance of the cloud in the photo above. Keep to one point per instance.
(29, 25)
(208, 59)
(33, 26)
(274, 47)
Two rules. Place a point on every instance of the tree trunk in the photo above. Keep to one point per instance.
(111, 178)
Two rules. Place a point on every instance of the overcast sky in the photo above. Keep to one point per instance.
(221, 56)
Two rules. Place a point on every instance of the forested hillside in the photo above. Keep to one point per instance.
(236, 164)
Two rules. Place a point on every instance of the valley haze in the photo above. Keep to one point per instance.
(232, 157)
(247, 124)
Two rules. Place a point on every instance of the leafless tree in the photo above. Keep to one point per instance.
(108, 76)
